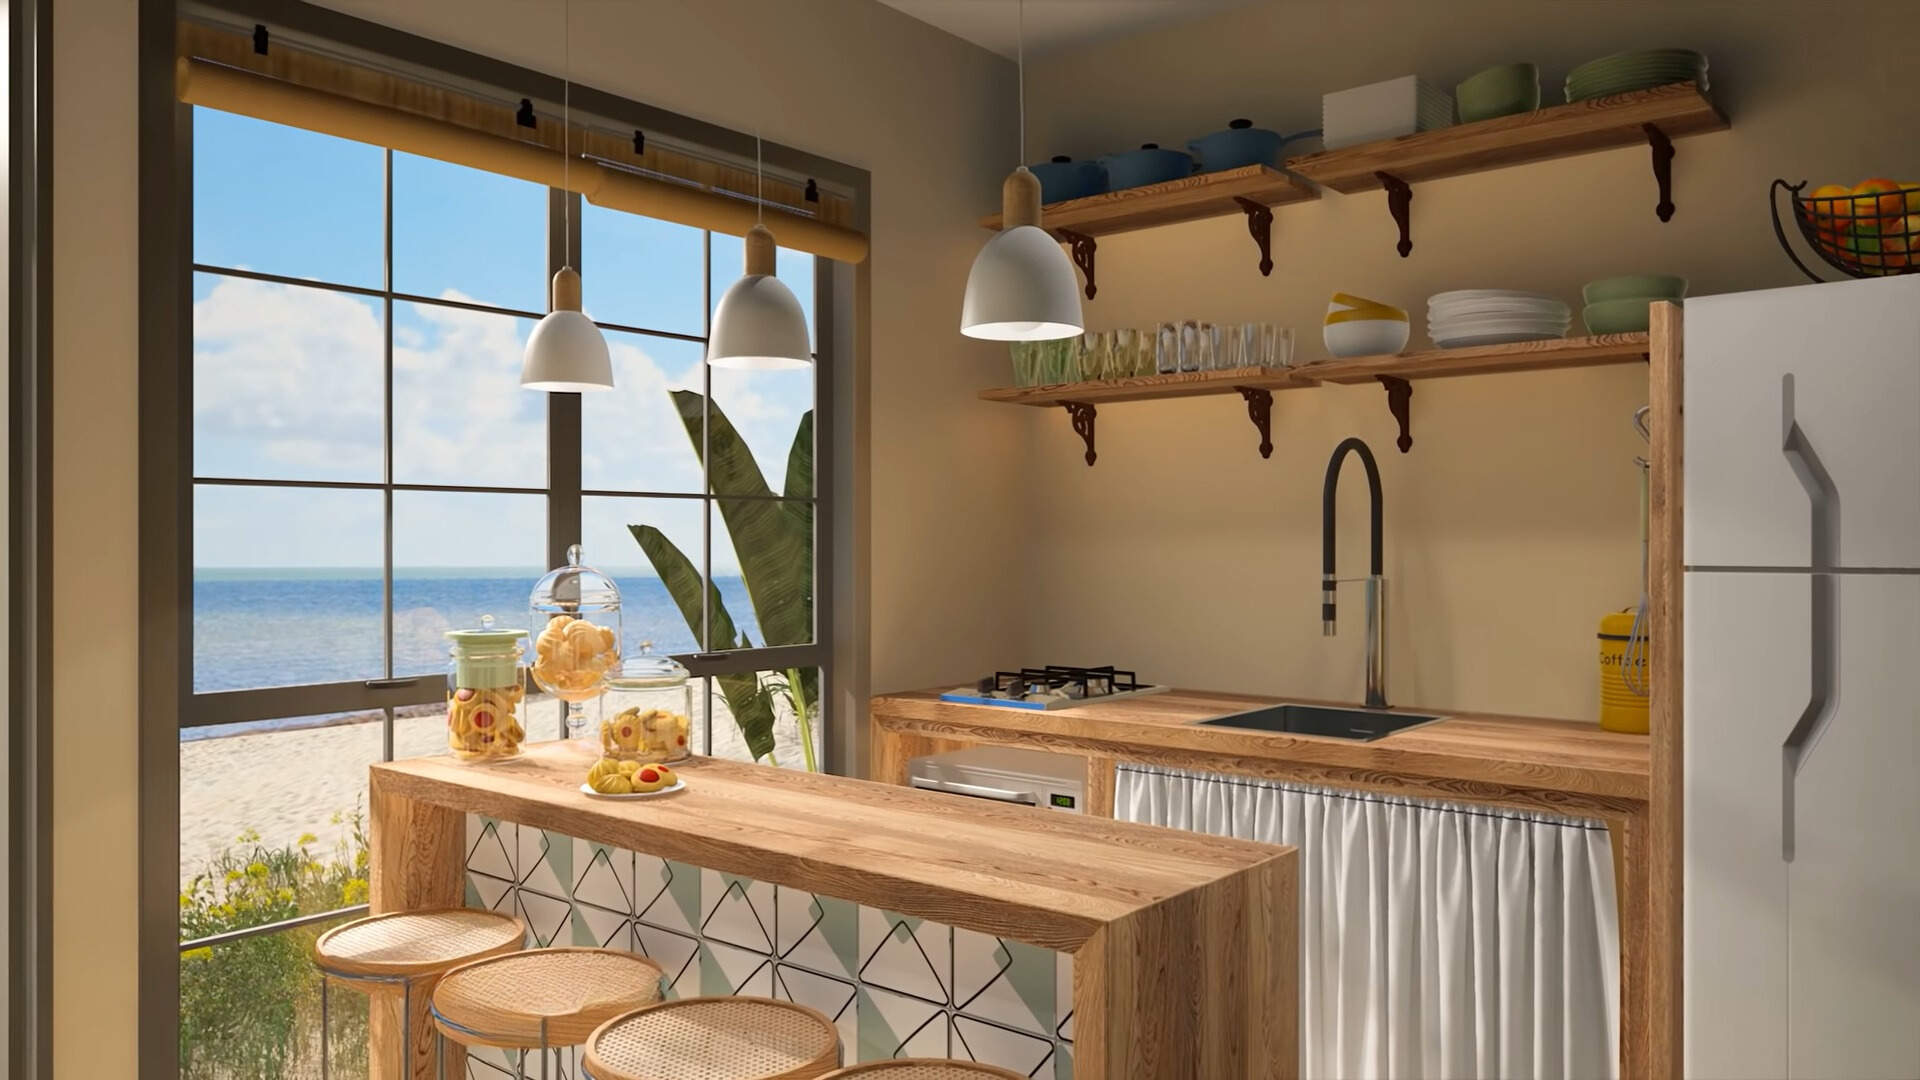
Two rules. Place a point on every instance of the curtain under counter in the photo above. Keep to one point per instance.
(1439, 941)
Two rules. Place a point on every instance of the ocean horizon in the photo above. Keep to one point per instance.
(260, 627)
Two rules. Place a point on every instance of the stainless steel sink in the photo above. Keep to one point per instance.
(1363, 725)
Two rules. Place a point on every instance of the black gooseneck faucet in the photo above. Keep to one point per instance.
(1375, 579)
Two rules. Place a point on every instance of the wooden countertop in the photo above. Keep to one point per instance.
(1050, 879)
(1511, 761)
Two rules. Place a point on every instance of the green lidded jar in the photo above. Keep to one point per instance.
(486, 685)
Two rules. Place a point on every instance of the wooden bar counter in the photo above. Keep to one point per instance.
(1186, 958)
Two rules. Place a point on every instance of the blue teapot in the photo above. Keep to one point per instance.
(1147, 165)
(1241, 145)
(1064, 178)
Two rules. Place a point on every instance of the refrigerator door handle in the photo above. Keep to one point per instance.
(1824, 497)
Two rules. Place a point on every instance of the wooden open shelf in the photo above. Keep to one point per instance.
(1597, 351)
(1190, 198)
(1151, 387)
(1560, 131)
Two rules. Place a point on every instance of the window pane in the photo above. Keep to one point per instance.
(287, 382)
(650, 610)
(766, 409)
(763, 554)
(632, 437)
(252, 1008)
(280, 200)
(782, 703)
(464, 234)
(794, 269)
(642, 272)
(286, 586)
(459, 415)
(458, 556)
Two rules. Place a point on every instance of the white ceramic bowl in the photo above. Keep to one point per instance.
(1367, 337)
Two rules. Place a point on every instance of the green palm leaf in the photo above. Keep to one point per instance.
(752, 706)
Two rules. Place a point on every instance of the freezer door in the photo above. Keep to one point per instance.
(1852, 351)
(1853, 890)
(1748, 645)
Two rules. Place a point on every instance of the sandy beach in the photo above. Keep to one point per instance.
(308, 782)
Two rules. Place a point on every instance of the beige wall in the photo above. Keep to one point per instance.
(95, 762)
(1512, 525)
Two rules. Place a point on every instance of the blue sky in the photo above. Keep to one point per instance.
(289, 380)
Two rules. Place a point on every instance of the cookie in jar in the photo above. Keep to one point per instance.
(647, 710)
(486, 687)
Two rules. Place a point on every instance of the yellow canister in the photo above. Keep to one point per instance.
(1620, 708)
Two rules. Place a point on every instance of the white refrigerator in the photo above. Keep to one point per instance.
(1802, 682)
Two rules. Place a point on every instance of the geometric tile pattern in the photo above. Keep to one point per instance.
(895, 986)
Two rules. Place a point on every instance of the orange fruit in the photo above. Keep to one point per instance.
(1830, 205)
(1878, 199)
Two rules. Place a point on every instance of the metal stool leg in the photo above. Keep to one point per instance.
(546, 1059)
(406, 1027)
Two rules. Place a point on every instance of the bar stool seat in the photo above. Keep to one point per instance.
(715, 1038)
(542, 998)
(924, 1069)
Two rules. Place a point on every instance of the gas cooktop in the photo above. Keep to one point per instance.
(1052, 687)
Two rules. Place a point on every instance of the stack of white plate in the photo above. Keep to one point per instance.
(1384, 110)
(1494, 317)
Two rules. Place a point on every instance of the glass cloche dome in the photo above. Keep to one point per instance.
(577, 612)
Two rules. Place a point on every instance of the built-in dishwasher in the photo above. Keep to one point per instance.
(1004, 774)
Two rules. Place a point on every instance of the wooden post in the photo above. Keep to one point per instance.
(1665, 833)
(418, 857)
(1098, 798)
(892, 749)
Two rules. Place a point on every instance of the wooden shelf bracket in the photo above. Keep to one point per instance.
(1260, 411)
(1260, 225)
(1083, 415)
(1399, 204)
(1662, 169)
(1081, 248)
(1399, 403)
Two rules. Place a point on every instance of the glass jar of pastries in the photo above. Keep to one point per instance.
(645, 713)
(577, 611)
(486, 684)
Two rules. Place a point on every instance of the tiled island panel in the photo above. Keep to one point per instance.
(896, 986)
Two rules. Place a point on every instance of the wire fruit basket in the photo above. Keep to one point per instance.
(1873, 233)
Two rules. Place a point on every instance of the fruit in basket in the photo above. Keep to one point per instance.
(1830, 206)
(1876, 200)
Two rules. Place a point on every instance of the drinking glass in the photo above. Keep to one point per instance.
(1026, 363)
(1167, 353)
(1097, 361)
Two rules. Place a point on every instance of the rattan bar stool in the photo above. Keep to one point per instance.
(715, 1038)
(541, 999)
(402, 955)
(924, 1069)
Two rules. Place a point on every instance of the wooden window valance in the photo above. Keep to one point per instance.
(219, 69)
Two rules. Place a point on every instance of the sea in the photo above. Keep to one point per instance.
(256, 628)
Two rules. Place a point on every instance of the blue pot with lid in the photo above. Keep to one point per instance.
(1148, 165)
(1241, 145)
(1064, 178)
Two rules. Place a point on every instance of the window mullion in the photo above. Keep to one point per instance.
(386, 576)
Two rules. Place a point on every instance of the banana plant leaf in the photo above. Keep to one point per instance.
(775, 550)
(751, 704)
(799, 487)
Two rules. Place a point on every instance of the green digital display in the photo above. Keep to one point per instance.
(1064, 802)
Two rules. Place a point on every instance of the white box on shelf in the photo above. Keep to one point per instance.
(1383, 110)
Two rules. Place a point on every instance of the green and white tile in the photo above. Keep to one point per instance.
(545, 862)
(1063, 995)
(897, 1026)
(1024, 1053)
(677, 954)
(667, 894)
(725, 969)
(601, 928)
(1008, 983)
(834, 998)
(602, 876)
(490, 847)
(817, 932)
(906, 955)
(736, 910)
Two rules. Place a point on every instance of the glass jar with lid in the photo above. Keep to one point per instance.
(646, 711)
(577, 609)
(486, 683)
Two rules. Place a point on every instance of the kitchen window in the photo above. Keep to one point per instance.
(367, 473)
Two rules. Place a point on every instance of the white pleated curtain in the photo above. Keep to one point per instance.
(1438, 941)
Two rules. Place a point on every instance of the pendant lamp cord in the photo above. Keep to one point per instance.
(759, 181)
(566, 127)
(1020, 58)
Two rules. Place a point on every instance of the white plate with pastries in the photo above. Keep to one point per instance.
(677, 785)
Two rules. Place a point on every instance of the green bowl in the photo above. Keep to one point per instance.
(1635, 287)
(1501, 91)
(1620, 316)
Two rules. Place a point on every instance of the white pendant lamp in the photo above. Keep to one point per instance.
(759, 324)
(566, 353)
(1022, 286)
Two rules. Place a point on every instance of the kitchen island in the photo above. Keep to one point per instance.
(1543, 786)
(1184, 959)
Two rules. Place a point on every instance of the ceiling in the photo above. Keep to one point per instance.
(1054, 24)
